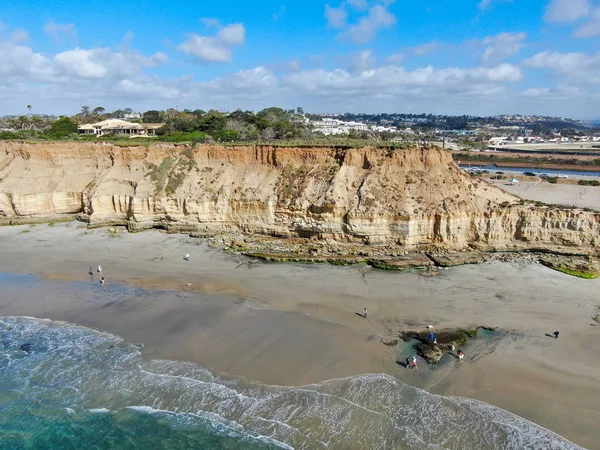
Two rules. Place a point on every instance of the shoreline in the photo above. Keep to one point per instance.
(295, 324)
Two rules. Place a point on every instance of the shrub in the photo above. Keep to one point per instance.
(180, 136)
(552, 180)
(589, 182)
(9, 135)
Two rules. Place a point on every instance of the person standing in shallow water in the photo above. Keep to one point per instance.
(414, 363)
(102, 281)
(366, 314)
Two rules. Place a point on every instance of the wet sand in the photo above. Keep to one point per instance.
(295, 324)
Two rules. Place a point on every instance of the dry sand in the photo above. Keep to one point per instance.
(558, 194)
(294, 324)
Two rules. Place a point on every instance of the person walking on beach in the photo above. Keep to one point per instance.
(461, 355)
(102, 281)
(91, 273)
(99, 268)
(408, 363)
(556, 333)
(431, 337)
(366, 314)
(414, 363)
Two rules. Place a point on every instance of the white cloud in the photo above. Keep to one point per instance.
(245, 80)
(485, 4)
(58, 31)
(535, 92)
(393, 78)
(141, 88)
(590, 28)
(566, 10)
(577, 67)
(336, 17)
(19, 36)
(424, 49)
(395, 58)
(217, 48)
(502, 46)
(210, 22)
(361, 5)
(365, 29)
(362, 61)
(20, 63)
(102, 62)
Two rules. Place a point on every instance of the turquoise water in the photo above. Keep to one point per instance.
(65, 386)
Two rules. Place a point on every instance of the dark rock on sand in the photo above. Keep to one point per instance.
(582, 267)
(389, 341)
(431, 353)
(404, 262)
(446, 340)
(458, 259)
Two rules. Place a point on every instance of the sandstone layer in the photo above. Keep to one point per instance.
(416, 199)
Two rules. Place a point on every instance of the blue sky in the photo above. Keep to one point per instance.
(442, 56)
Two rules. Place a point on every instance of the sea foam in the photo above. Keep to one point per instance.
(80, 369)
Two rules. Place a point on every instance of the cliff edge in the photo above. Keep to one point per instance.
(416, 198)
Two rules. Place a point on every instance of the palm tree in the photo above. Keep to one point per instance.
(98, 110)
(85, 110)
(29, 108)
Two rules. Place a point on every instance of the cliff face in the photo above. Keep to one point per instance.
(413, 198)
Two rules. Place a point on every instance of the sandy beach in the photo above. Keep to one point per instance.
(297, 324)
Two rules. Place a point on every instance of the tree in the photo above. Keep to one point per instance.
(29, 108)
(85, 111)
(98, 110)
(62, 127)
(198, 112)
(118, 114)
(152, 116)
(300, 110)
(212, 121)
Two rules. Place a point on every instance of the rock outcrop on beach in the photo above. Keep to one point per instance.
(413, 199)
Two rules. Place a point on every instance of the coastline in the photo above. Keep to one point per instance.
(296, 324)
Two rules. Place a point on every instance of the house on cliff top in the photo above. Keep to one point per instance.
(119, 127)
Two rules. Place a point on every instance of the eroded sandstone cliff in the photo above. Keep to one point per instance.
(416, 198)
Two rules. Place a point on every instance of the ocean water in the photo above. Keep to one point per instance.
(65, 386)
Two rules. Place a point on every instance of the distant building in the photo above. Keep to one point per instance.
(119, 127)
(498, 140)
